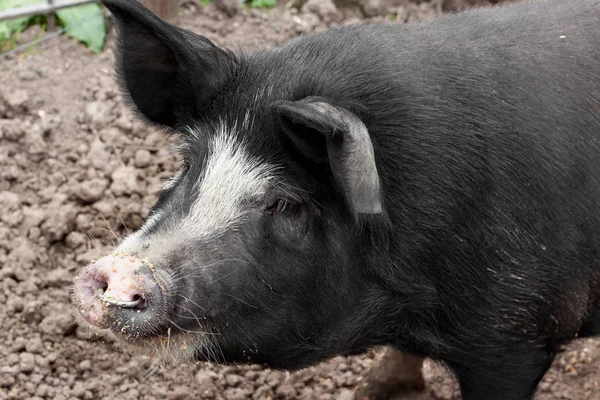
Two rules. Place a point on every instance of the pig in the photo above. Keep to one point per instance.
(431, 187)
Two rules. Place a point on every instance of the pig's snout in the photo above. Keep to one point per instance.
(121, 293)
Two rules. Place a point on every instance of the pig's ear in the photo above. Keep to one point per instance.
(168, 73)
(322, 132)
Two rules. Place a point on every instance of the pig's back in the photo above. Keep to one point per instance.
(486, 127)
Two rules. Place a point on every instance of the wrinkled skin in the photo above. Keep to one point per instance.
(426, 187)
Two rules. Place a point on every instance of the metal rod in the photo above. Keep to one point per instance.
(41, 8)
(51, 17)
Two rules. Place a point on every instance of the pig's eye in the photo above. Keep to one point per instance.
(287, 219)
(284, 207)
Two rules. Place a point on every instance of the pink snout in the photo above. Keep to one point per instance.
(121, 293)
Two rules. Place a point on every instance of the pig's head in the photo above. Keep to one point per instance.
(252, 252)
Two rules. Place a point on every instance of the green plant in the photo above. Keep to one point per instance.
(84, 23)
(9, 29)
(8, 44)
(91, 32)
(263, 3)
(205, 2)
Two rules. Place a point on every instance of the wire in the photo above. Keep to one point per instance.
(47, 37)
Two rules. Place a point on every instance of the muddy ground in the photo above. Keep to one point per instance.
(76, 171)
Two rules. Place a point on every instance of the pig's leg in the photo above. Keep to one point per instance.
(513, 376)
(395, 372)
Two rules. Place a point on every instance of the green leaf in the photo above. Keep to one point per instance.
(84, 23)
(15, 25)
(263, 3)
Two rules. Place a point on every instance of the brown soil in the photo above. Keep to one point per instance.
(75, 168)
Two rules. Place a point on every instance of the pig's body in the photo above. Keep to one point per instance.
(440, 186)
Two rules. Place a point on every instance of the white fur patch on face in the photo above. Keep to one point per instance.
(230, 179)
(132, 243)
(171, 182)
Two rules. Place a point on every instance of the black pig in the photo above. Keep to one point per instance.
(434, 187)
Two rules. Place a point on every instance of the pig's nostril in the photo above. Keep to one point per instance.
(141, 300)
(98, 287)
